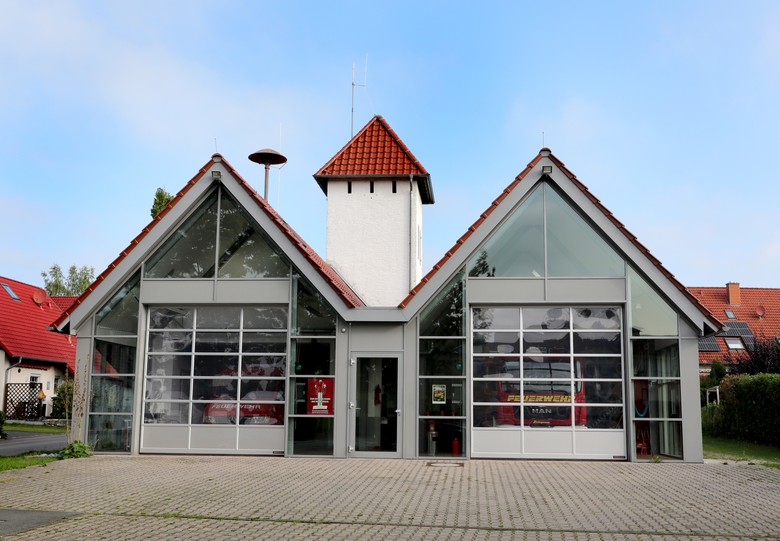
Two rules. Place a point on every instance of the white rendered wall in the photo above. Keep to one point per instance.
(373, 239)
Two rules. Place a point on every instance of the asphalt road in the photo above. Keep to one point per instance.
(19, 443)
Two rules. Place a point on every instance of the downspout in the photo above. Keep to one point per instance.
(5, 381)
(411, 233)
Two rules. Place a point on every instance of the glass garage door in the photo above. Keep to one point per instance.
(547, 382)
(215, 380)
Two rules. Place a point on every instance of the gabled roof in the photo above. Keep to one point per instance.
(350, 298)
(24, 326)
(376, 151)
(64, 301)
(746, 324)
(545, 153)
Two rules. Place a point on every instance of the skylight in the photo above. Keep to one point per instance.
(10, 292)
(730, 314)
(734, 343)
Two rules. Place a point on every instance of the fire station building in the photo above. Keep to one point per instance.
(546, 331)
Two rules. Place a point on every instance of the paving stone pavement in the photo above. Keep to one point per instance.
(212, 498)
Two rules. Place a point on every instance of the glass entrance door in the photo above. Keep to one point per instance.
(375, 406)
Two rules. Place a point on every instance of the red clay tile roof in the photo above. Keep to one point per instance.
(376, 151)
(545, 152)
(752, 299)
(24, 326)
(343, 290)
(64, 301)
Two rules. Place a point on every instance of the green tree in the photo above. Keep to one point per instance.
(77, 280)
(161, 200)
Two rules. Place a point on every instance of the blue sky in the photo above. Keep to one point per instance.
(667, 111)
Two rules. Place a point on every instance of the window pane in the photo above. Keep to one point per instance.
(167, 389)
(214, 413)
(442, 397)
(301, 398)
(546, 318)
(262, 390)
(650, 315)
(313, 356)
(264, 365)
(170, 341)
(496, 342)
(245, 251)
(216, 365)
(167, 413)
(214, 389)
(444, 315)
(442, 437)
(545, 415)
(171, 318)
(216, 342)
(503, 390)
(547, 392)
(496, 318)
(110, 432)
(517, 247)
(598, 367)
(658, 438)
(485, 367)
(252, 413)
(313, 315)
(545, 342)
(547, 367)
(487, 416)
(190, 251)
(596, 318)
(273, 317)
(443, 357)
(111, 357)
(312, 436)
(112, 394)
(657, 398)
(656, 358)
(168, 365)
(600, 392)
(218, 317)
(119, 316)
(264, 342)
(597, 342)
(573, 246)
(599, 417)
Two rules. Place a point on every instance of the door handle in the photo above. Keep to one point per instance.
(398, 412)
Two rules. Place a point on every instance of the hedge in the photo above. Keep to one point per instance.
(749, 409)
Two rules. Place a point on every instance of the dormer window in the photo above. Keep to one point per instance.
(11, 292)
(730, 314)
(734, 343)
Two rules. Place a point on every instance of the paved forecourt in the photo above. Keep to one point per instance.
(213, 498)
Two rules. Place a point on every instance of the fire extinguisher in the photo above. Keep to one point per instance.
(455, 446)
(432, 434)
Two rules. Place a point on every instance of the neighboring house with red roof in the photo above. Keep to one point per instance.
(546, 332)
(747, 313)
(33, 359)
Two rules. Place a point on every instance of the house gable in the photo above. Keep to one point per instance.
(192, 201)
(573, 203)
(25, 319)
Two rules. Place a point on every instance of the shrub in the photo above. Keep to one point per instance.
(3, 435)
(749, 409)
(717, 373)
(62, 402)
(77, 449)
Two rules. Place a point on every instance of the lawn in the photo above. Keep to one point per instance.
(22, 461)
(741, 451)
(14, 427)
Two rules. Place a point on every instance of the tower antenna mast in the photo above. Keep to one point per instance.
(354, 84)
